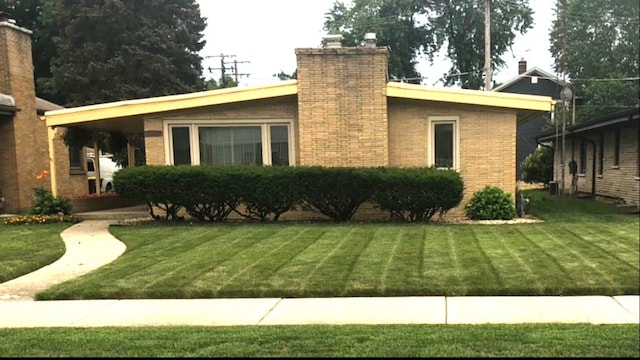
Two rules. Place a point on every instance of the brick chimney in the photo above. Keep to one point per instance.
(23, 138)
(522, 66)
(342, 104)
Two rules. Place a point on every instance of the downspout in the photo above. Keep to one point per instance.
(593, 167)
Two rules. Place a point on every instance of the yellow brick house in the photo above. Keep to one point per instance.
(342, 110)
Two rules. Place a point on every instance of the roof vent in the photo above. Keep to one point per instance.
(370, 40)
(332, 41)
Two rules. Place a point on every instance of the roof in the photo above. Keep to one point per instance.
(43, 105)
(7, 105)
(622, 116)
(527, 106)
(129, 112)
(130, 109)
(534, 71)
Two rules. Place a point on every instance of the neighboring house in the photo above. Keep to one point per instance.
(341, 111)
(606, 151)
(534, 81)
(25, 150)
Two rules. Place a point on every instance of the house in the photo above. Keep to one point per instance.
(25, 150)
(534, 81)
(604, 153)
(341, 111)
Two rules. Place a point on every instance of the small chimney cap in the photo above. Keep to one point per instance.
(332, 41)
(370, 36)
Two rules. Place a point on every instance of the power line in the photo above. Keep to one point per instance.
(231, 66)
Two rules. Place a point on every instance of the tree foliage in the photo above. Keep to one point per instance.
(35, 15)
(412, 28)
(88, 52)
(537, 167)
(122, 49)
(594, 42)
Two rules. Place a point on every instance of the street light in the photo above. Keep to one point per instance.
(566, 94)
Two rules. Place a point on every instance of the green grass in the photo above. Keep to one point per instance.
(327, 341)
(583, 248)
(25, 248)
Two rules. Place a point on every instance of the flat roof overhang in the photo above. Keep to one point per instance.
(526, 106)
(128, 115)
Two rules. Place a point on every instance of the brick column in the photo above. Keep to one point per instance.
(342, 106)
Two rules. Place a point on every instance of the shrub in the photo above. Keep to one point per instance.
(537, 167)
(44, 203)
(490, 203)
(417, 194)
(336, 192)
(268, 191)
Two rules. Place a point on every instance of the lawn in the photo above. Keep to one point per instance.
(396, 341)
(25, 248)
(582, 248)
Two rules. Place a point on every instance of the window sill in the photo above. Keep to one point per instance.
(615, 167)
(77, 172)
(636, 178)
(599, 176)
(582, 175)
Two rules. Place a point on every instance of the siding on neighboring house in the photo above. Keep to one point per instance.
(621, 181)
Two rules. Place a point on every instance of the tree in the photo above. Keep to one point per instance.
(31, 14)
(122, 49)
(595, 44)
(284, 76)
(423, 27)
(537, 167)
(225, 81)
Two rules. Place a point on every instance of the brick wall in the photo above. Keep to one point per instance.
(30, 151)
(487, 143)
(67, 184)
(618, 182)
(342, 106)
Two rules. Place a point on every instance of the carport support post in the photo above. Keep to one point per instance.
(51, 134)
(131, 155)
(96, 165)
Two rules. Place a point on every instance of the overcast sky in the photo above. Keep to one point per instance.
(263, 36)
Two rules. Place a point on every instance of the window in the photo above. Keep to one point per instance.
(180, 143)
(230, 145)
(601, 155)
(444, 142)
(616, 147)
(216, 143)
(582, 169)
(75, 160)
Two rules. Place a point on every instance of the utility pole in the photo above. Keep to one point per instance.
(564, 95)
(487, 45)
(227, 65)
(235, 69)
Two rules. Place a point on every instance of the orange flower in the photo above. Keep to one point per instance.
(42, 174)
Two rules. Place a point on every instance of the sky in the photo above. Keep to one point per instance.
(261, 37)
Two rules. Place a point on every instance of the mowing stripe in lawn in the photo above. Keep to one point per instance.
(481, 236)
(510, 260)
(271, 255)
(332, 270)
(577, 264)
(368, 276)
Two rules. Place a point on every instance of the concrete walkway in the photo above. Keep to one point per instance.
(89, 245)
